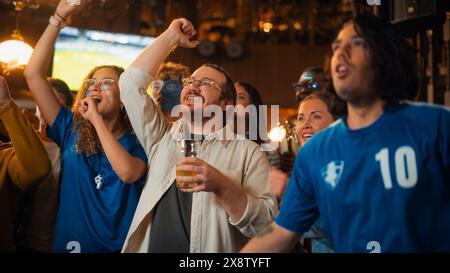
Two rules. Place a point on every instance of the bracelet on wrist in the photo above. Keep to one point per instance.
(60, 16)
(52, 20)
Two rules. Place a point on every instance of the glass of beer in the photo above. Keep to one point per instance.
(186, 148)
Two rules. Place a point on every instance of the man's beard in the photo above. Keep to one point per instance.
(357, 97)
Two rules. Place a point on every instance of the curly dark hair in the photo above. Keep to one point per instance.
(88, 142)
(393, 62)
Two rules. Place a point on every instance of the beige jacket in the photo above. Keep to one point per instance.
(240, 160)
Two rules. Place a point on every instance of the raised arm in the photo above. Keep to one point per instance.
(148, 122)
(29, 163)
(35, 72)
(177, 34)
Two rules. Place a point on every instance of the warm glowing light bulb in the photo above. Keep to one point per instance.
(277, 134)
(297, 26)
(267, 27)
(15, 53)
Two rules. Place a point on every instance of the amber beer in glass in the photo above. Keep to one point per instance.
(186, 148)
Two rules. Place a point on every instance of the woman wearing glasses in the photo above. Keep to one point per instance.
(103, 164)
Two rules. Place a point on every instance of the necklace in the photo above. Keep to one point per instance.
(99, 178)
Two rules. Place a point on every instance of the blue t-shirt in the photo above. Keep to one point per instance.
(382, 188)
(91, 219)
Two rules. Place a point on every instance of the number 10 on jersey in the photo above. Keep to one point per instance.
(405, 167)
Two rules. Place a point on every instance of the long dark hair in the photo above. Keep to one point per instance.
(62, 88)
(255, 99)
(392, 57)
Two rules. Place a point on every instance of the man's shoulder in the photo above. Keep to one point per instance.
(422, 109)
(241, 148)
(245, 143)
(419, 116)
(334, 129)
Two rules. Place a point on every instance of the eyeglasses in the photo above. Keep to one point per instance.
(203, 83)
(167, 85)
(156, 85)
(105, 84)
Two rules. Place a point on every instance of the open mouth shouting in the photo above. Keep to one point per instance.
(193, 99)
(96, 97)
(342, 70)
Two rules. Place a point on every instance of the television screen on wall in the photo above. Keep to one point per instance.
(77, 51)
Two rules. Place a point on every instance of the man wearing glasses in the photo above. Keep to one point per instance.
(231, 201)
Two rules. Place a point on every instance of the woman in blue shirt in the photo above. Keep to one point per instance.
(103, 164)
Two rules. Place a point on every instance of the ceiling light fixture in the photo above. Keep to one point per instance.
(15, 53)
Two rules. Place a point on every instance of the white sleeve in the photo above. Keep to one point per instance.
(261, 204)
(148, 122)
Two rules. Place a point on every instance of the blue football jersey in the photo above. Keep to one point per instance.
(92, 217)
(382, 188)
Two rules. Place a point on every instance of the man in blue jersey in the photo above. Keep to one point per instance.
(380, 176)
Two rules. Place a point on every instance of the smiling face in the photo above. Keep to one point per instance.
(205, 88)
(313, 116)
(104, 88)
(351, 67)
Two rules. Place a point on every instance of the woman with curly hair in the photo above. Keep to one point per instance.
(103, 164)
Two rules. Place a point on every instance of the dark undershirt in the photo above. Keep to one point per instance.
(171, 224)
(170, 232)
